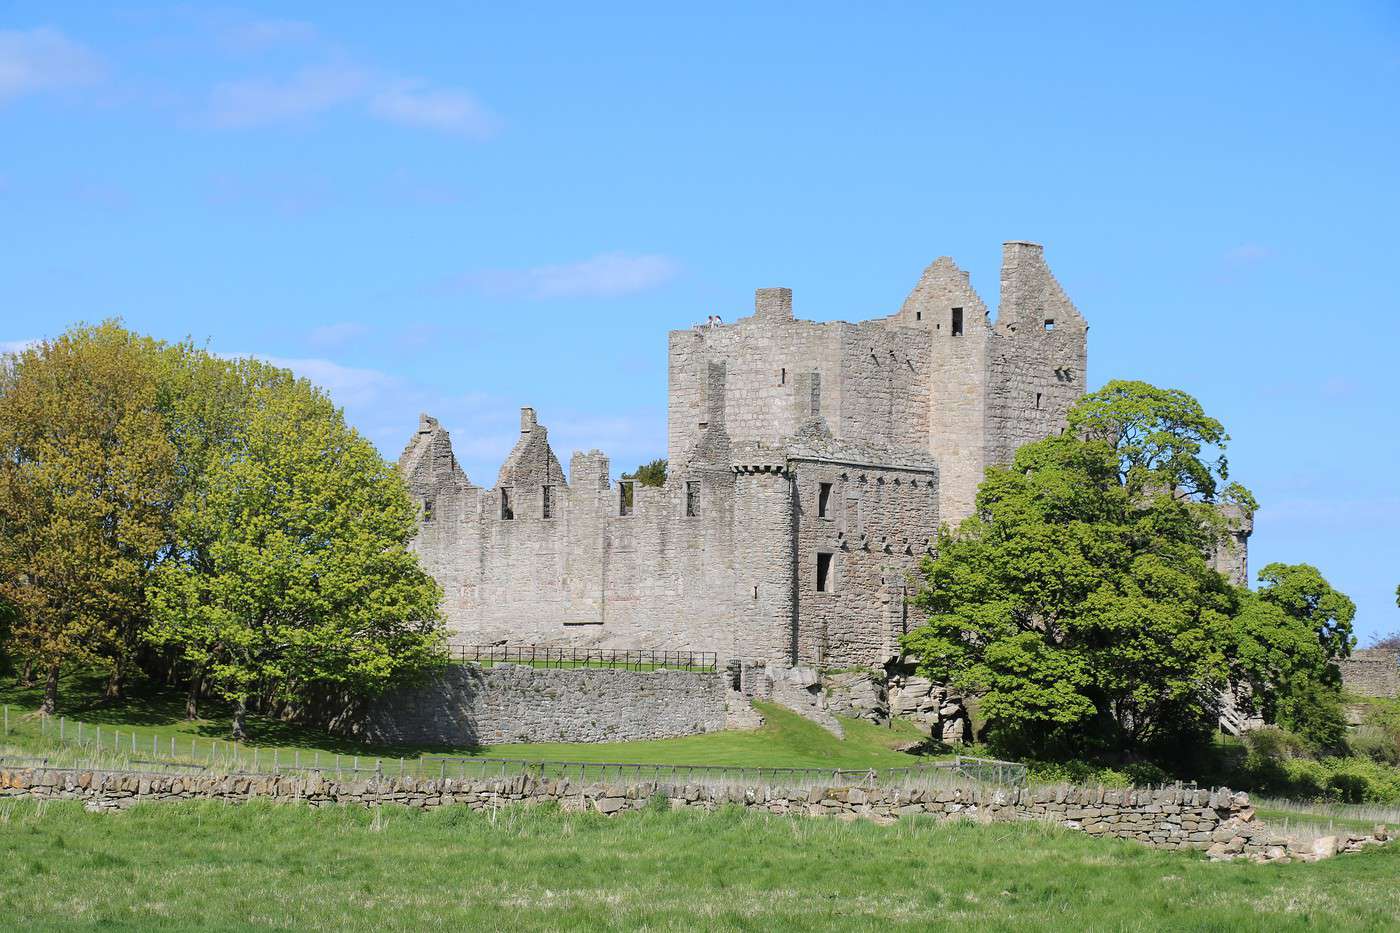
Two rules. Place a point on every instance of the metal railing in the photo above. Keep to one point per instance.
(630, 659)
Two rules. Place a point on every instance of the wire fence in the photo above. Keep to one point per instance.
(71, 743)
(630, 659)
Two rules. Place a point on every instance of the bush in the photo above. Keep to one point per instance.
(1377, 744)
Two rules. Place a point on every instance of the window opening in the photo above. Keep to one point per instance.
(824, 573)
(918, 315)
(427, 510)
(1037, 400)
(692, 499)
(1049, 323)
(507, 507)
(957, 322)
(782, 376)
(546, 501)
(626, 496)
(824, 500)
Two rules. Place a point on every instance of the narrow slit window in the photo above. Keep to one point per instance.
(507, 506)
(1049, 323)
(918, 315)
(546, 501)
(957, 322)
(692, 499)
(824, 500)
(1037, 400)
(782, 376)
(427, 511)
(824, 573)
(626, 498)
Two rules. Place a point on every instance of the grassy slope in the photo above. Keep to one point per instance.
(786, 741)
(204, 866)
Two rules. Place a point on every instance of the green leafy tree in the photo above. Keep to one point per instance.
(1078, 600)
(85, 497)
(649, 474)
(293, 575)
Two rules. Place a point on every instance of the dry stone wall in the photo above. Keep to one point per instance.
(1374, 672)
(511, 703)
(1218, 822)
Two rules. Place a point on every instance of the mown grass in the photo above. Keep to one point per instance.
(218, 866)
(785, 741)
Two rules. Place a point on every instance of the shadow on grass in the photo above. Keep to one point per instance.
(146, 704)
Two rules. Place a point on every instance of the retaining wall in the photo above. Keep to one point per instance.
(1374, 672)
(1219, 822)
(511, 703)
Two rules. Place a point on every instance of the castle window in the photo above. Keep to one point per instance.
(957, 322)
(824, 500)
(782, 376)
(507, 508)
(824, 577)
(1037, 400)
(427, 511)
(626, 496)
(918, 315)
(692, 499)
(1049, 323)
(546, 501)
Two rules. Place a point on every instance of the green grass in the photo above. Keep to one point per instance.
(785, 741)
(214, 866)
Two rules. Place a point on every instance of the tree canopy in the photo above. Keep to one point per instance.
(1080, 602)
(218, 512)
(652, 473)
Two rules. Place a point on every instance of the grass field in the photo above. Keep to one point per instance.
(155, 717)
(215, 866)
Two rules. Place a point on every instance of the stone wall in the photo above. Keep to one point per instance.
(1374, 672)
(509, 703)
(1217, 822)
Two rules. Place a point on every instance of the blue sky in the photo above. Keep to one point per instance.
(470, 208)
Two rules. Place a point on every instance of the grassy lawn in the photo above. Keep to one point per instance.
(215, 866)
(155, 717)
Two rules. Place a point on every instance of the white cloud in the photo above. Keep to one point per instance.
(17, 346)
(257, 102)
(310, 91)
(337, 334)
(609, 275)
(446, 110)
(41, 60)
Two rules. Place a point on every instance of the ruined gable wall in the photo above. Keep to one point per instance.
(1035, 374)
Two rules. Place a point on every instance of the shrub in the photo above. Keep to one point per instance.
(1377, 744)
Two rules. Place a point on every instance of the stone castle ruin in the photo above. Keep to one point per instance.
(810, 467)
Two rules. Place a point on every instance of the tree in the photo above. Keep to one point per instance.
(649, 474)
(1286, 637)
(293, 574)
(85, 469)
(1078, 599)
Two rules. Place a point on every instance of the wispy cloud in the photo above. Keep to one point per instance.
(445, 110)
(337, 334)
(17, 346)
(259, 102)
(43, 60)
(609, 275)
(310, 91)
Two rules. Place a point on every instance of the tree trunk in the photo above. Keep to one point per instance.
(192, 698)
(113, 690)
(26, 674)
(239, 712)
(50, 704)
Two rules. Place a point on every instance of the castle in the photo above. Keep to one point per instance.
(810, 467)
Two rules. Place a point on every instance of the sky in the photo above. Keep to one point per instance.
(466, 208)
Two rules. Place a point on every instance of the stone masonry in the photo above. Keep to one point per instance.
(1373, 672)
(1218, 822)
(469, 705)
(811, 465)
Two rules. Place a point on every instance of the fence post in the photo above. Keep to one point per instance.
(7, 719)
(62, 722)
